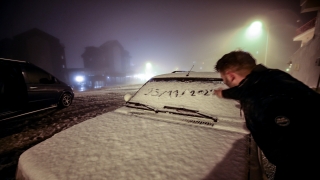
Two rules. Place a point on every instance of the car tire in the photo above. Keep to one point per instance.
(65, 100)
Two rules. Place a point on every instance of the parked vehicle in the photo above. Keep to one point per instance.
(173, 127)
(26, 88)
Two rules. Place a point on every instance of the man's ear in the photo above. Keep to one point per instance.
(231, 75)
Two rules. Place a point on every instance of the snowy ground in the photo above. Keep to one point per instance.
(18, 135)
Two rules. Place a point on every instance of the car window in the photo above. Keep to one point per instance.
(35, 75)
(195, 94)
(12, 85)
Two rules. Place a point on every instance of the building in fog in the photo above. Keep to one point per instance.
(110, 57)
(39, 48)
(106, 64)
(305, 62)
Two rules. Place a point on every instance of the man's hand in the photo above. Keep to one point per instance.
(218, 92)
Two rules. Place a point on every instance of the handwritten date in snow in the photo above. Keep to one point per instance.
(177, 93)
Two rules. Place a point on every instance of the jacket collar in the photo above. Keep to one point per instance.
(257, 69)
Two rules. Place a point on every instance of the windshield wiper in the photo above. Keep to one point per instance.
(143, 105)
(215, 119)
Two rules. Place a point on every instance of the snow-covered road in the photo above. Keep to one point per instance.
(18, 135)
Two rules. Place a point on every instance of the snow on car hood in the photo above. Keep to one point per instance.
(118, 146)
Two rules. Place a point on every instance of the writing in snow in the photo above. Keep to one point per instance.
(178, 93)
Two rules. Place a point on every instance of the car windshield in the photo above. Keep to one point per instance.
(178, 94)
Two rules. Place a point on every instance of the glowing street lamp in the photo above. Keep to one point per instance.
(148, 66)
(255, 30)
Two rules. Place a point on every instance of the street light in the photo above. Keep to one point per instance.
(148, 66)
(255, 30)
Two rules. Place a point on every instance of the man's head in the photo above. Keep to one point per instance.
(235, 66)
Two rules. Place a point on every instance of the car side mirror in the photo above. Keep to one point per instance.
(127, 97)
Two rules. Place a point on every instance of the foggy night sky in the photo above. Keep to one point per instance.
(169, 34)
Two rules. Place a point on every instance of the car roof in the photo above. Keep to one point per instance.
(191, 74)
(13, 60)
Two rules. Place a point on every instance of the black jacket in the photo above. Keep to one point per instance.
(281, 113)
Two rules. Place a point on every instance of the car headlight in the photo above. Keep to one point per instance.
(79, 78)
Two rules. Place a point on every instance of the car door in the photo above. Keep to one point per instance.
(43, 88)
(13, 91)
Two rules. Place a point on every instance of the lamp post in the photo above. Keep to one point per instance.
(265, 56)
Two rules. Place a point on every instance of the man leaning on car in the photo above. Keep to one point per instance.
(281, 113)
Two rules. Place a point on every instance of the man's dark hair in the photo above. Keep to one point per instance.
(236, 60)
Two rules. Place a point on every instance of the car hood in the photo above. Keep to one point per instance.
(127, 145)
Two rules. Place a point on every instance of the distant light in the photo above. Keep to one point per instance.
(287, 70)
(143, 77)
(79, 78)
(256, 25)
(148, 66)
(254, 30)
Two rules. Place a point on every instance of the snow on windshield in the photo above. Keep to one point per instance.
(191, 94)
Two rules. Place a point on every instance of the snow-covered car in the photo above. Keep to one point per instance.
(173, 127)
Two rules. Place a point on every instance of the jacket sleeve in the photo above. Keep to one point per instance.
(232, 93)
